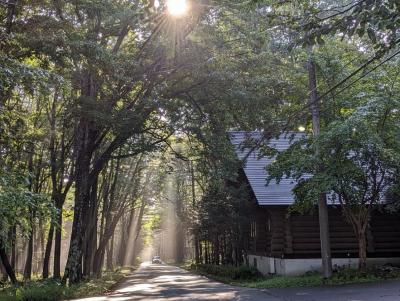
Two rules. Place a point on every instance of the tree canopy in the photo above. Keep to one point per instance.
(105, 104)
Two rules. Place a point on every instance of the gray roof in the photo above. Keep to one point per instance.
(254, 167)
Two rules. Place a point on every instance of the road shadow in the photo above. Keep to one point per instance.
(163, 282)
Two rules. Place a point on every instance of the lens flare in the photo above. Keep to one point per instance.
(177, 8)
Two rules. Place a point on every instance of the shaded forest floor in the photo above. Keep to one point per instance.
(51, 290)
(251, 278)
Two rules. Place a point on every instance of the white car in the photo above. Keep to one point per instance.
(156, 259)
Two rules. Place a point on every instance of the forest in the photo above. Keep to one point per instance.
(115, 114)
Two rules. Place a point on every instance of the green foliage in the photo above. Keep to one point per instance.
(375, 22)
(228, 272)
(311, 279)
(359, 154)
(229, 66)
(250, 277)
(51, 290)
(17, 201)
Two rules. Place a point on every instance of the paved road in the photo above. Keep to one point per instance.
(162, 282)
(385, 291)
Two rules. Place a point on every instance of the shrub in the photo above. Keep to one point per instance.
(51, 290)
(48, 292)
(34, 291)
(229, 271)
(346, 274)
(387, 271)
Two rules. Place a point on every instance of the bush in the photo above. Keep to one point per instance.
(229, 271)
(387, 271)
(34, 291)
(42, 292)
(51, 290)
(347, 274)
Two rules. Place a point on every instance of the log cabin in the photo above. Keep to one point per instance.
(286, 243)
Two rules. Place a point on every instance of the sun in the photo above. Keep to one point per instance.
(177, 8)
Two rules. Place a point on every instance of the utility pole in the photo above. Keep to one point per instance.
(322, 205)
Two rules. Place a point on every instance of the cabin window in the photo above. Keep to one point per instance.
(253, 229)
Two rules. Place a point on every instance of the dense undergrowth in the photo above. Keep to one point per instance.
(51, 290)
(250, 277)
(234, 273)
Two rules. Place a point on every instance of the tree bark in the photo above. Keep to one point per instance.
(46, 259)
(73, 269)
(125, 233)
(362, 251)
(195, 239)
(14, 247)
(57, 243)
(179, 239)
(11, 7)
(322, 205)
(29, 256)
(108, 234)
(110, 253)
(127, 236)
(6, 264)
(91, 231)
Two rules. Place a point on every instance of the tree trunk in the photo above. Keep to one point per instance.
(40, 246)
(195, 239)
(180, 236)
(196, 250)
(84, 151)
(6, 264)
(11, 7)
(47, 252)
(14, 248)
(362, 251)
(207, 261)
(110, 253)
(322, 206)
(91, 231)
(138, 229)
(57, 244)
(3, 273)
(73, 268)
(29, 256)
(97, 261)
(125, 234)
(108, 234)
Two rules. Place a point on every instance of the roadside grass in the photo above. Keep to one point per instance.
(51, 290)
(249, 277)
(305, 280)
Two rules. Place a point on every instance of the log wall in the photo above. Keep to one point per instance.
(281, 235)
